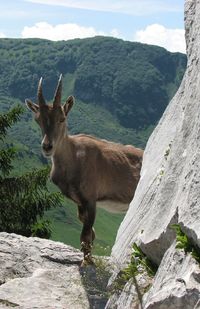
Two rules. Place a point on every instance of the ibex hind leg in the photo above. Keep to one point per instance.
(87, 213)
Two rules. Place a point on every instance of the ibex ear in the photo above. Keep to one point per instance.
(32, 106)
(68, 105)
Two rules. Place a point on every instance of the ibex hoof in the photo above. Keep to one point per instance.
(86, 249)
(87, 261)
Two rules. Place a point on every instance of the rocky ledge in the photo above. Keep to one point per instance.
(42, 274)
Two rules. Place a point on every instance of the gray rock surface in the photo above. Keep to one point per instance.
(169, 189)
(177, 283)
(38, 273)
(127, 299)
(132, 293)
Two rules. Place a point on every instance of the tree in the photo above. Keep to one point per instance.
(24, 198)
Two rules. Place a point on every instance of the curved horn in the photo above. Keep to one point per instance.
(41, 99)
(57, 95)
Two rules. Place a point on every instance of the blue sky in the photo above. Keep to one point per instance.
(158, 22)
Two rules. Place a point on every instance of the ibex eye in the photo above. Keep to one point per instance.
(62, 119)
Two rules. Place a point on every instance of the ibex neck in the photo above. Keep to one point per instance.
(63, 164)
(63, 150)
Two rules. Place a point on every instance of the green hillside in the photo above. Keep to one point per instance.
(121, 90)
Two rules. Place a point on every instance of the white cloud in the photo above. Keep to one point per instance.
(68, 31)
(115, 33)
(132, 7)
(171, 39)
(2, 35)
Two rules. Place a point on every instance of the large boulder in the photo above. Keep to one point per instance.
(43, 274)
(169, 188)
(39, 273)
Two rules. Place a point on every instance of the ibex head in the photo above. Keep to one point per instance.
(51, 118)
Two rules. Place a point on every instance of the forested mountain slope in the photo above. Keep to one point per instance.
(133, 82)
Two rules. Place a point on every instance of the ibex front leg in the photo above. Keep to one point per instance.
(87, 213)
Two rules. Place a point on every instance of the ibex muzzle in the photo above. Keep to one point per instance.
(47, 147)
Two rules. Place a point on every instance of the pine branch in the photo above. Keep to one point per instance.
(6, 120)
(6, 157)
(31, 181)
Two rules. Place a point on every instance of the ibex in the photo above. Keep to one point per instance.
(87, 170)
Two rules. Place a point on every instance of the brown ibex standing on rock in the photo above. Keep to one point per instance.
(87, 170)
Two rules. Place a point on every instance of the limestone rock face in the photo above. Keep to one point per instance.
(38, 273)
(177, 283)
(169, 189)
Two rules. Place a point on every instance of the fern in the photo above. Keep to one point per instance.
(185, 243)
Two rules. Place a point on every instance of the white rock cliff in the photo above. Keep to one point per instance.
(169, 191)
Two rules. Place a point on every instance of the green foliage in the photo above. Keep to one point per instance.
(24, 198)
(185, 243)
(139, 259)
(42, 229)
(139, 263)
(7, 155)
(6, 120)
